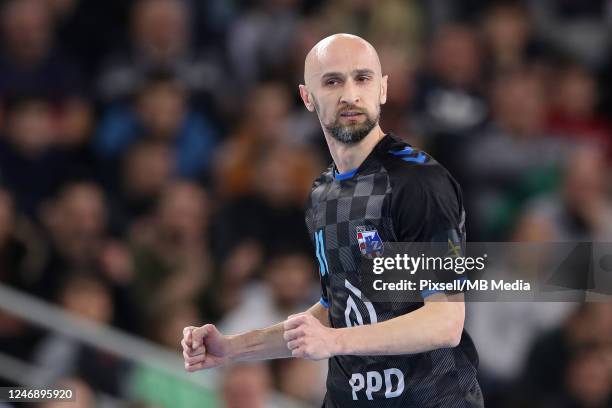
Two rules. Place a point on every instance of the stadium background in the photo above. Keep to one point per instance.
(155, 158)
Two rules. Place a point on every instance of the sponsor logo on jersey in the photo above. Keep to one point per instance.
(369, 241)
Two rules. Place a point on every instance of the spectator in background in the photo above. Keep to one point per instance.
(579, 29)
(513, 159)
(160, 112)
(449, 96)
(160, 40)
(89, 297)
(570, 365)
(31, 165)
(588, 379)
(396, 23)
(258, 42)
(573, 112)
(507, 28)
(29, 63)
(263, 125)
(287, 288)
(76, 220)
(389, 22)
(582, 209)
(146, 170)
(171, 248)
(272, 212)
(248, 385)
(241, 265)
(76, 223)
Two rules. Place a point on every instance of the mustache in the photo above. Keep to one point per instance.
(351, 108)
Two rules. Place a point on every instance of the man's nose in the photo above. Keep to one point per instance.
(350, 93)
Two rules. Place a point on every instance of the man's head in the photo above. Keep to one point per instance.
(28, 30)
(160, 28)
(343, 83)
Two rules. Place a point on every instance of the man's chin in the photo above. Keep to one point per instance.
(352, 134)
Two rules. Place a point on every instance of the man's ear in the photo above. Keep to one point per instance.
(383, 89)
(306, 98)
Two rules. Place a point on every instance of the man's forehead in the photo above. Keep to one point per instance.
(341, 54)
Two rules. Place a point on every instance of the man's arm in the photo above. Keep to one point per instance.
(438, 324)
(205, 347)
(268, 343)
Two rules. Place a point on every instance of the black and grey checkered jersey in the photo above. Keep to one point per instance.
(398, 194)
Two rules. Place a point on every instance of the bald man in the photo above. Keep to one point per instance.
(378, 189)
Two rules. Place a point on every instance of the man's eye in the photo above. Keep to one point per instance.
(332, 82)
(363, 78)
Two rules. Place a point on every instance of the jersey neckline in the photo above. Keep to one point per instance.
(347, 175)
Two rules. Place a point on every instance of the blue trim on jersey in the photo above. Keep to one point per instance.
(323, 251)
(406, 150)
(317, 245)
(426, 293)
(346, 175)
(419, 159)
(324, 303)
(323, 267)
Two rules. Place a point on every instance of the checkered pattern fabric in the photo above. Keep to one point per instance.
(341, 208)
(338, 211)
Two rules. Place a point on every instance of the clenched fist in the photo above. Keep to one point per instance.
(307, 338)
(204, 347)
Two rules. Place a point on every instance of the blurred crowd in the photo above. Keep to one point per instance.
(155, 159)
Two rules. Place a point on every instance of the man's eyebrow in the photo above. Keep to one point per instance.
(363, 71)
(332, 75)
(360, 71)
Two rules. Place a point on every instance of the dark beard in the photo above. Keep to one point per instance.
(351, 134)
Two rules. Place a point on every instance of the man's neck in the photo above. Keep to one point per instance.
(350, 156)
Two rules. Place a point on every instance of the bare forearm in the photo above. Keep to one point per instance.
(261, 344)
(434, 326)
(268, 343)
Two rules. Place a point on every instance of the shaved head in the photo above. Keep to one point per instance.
(336, 48)
(343, 83)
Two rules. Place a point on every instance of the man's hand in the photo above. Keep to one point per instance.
(204, 347)
(307, 338)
